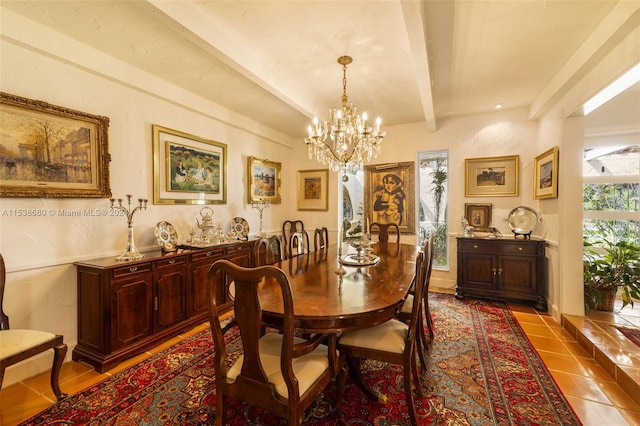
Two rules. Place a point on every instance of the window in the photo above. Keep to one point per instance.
(611, 193)
(433, 171)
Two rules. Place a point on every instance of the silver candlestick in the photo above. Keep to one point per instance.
(131, 253)
(260, 205)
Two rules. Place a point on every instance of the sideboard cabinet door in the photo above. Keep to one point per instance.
(502, 269)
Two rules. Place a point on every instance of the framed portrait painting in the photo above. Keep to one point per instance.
(50, 151)
(492, 176)
(313, 189)
(389, 195)
(478, 216)
(264, 180)
(188, 169)
(545, 174)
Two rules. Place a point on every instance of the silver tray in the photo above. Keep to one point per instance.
(523, 220)
(355, 260)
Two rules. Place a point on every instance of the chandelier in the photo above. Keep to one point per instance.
(348, 139)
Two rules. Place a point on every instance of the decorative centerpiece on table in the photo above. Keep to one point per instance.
(345, 142)
(131, 252)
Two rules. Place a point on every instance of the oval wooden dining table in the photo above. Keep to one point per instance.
(327, 302)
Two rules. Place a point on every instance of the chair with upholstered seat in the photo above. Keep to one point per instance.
(392, 341)
(384, 229)
(290, 227)
(17, 345)
(405, 312)
(268, 250)
(277, 371)
(320, 238)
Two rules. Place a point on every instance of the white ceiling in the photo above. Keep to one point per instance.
(275, 61)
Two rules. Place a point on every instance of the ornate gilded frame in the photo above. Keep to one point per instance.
(376, 197)
(545, 174)
(313, 190)
(492, 176)
(264, 180)
(49, 151)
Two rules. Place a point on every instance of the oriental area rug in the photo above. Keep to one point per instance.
(482, 371)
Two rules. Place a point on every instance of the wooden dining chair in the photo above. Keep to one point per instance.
(384, 229)
(268, 250)
(290, 227)
(405, 312)
(17, 345)
(392, 341)
(299, 243)
(277, 371)
(320, 238)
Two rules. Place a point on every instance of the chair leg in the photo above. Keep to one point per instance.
(411, 407)
(59, 353)
(414, 371)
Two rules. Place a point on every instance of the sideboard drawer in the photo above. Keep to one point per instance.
(128, 270)
(172, 261)
(208, 253)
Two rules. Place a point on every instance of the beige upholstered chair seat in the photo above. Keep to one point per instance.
(407, 305)
(389, 336)
(307, 368)
(15, 341)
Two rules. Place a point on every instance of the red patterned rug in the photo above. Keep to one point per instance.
(483, 371)
(630, 333)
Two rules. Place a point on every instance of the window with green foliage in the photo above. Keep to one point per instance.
(433, 172)
(611, 193)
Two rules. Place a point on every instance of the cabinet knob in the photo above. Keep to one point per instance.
(172, 261)
(209, 254)
(475, 246)
(133, 269)
(519, 248)
(494, 271)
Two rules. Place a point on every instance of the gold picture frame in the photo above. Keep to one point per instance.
(188, 169)
(389, 194)
(49, 151)
(313, 190)
(478, 216)
(492, 176)
(545, 174)
(264, 180)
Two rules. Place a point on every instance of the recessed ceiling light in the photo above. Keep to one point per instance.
(498, 106)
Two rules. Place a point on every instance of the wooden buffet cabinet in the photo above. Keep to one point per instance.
(503, 269)
(126, 308)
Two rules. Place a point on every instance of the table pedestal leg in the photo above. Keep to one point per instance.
(356, 375)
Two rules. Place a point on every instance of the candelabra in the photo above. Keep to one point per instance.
(260, 205)
(131, 253)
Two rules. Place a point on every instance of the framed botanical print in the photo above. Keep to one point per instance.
(264, 180)
(389, 195)
(313, 190)
(188, 169)
(492, 176)
(545, 174)
(49, 151)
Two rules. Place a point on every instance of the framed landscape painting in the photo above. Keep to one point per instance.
(313, 188)
(492, 176)
(545, 174)
(389, 195)
(52, 151)
(188, 169)
(264, 180)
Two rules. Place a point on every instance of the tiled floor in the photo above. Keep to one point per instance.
(572, 353)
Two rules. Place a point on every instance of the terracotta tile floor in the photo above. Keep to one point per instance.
(596, 367)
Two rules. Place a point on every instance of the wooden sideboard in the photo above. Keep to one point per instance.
(503, 269)
(126, 308)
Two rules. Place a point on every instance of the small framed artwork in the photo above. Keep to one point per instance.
(313, 190)
(49, 151)
(389, 195)
(188, 169)
(545, 174)
(492, 176)
(478, 216)
(264, 180)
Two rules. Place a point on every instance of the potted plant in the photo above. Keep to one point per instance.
(608, 267)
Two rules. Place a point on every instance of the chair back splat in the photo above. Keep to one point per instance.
(268, 250)
(19, 345)
(299, 243)
(290, 227)
(273, 371)
(320, 238)
(384, 230)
